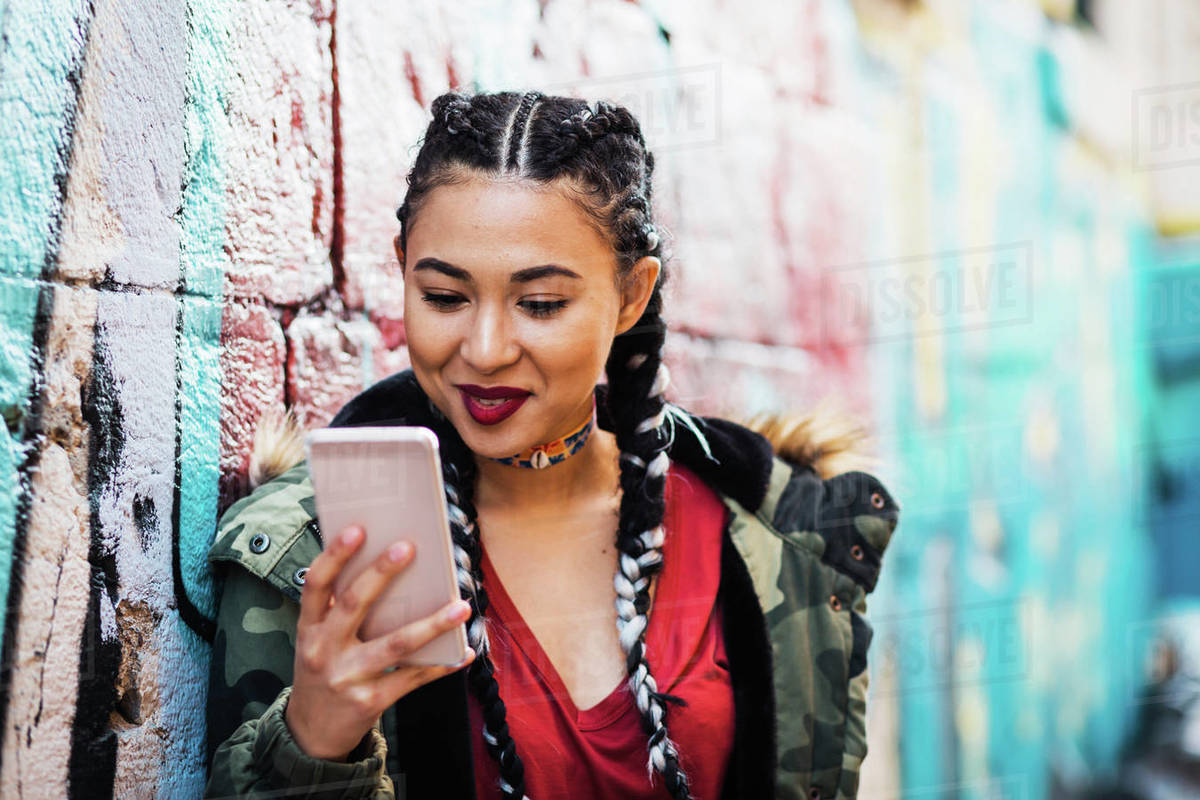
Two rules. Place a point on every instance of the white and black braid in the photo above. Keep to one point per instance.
(458, 474)
(637, 380)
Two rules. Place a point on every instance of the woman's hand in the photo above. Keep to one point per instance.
(340, 685)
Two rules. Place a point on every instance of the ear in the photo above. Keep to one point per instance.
(399, 252)
(637, 288)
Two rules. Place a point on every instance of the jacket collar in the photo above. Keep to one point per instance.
(738, 463)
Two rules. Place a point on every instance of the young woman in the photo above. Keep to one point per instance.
(735, 662)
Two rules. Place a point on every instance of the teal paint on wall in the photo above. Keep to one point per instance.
(199, 432)
(198, 436)
(205, 261)
(40, 51)
(18, 307)
(1170, 323)
(205, 125)
(1037, 564)
(203, 267)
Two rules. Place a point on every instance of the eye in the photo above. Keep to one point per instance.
(441, 300)
(877, 499)
(538, 308)
(544, 308)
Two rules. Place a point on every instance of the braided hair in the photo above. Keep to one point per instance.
(599, 154)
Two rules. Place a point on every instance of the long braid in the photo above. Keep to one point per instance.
(637, 380)
(602, 155)
(458, 477)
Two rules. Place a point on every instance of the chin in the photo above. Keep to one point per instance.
(486, 440)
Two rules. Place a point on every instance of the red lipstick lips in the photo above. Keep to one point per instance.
(493, 413)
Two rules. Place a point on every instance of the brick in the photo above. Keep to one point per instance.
(329, 361)
(392, 353)
(280, 153)
(728, 378)
(252, 360)
(381, 121)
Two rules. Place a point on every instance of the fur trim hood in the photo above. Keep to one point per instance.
(823, 440)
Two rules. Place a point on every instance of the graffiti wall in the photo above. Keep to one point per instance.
(197, 207)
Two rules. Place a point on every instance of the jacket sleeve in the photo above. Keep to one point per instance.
(251, 750)
(857, 520)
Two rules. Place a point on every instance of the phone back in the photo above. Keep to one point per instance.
(389, 480)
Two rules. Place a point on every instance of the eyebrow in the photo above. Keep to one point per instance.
(520, 276)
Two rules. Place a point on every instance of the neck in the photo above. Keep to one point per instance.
(502, 486)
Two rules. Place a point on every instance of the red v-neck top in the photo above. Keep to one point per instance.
(600, 752)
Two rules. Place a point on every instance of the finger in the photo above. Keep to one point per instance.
(323, 571)
(351, 605)
(394, 685)
(393, 647)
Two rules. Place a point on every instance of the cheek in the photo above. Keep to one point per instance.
(428, 334)
(577, 341)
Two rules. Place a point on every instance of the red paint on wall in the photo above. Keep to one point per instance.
(820, 54)
(391, 330)
(252, 358)
(410, 72)
(337, 244)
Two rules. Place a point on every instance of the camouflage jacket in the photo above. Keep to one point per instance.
(800, 554)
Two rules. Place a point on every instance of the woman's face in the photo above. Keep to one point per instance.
(505, 284)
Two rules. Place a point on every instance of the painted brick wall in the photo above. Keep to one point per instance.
(196, 219)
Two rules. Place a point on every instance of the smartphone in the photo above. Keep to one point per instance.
(388, 479)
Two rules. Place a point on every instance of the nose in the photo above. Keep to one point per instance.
(489, 345)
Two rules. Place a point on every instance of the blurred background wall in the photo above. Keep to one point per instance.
(973, 224)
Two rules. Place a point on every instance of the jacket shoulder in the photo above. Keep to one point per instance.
(272, 531)
(847, 520)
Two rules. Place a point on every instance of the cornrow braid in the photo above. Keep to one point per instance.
(517, 132)
(598, 154)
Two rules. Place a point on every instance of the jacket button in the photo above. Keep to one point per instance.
(856, 552)
(299, 575)
(835, 603)
(260, 542)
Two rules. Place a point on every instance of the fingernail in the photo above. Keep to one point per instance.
(398, 552)
(458, 612)
(350, 535)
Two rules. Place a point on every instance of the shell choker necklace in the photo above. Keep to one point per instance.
(543, 455)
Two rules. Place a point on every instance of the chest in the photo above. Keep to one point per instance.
(558, 574)
(430, 768)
